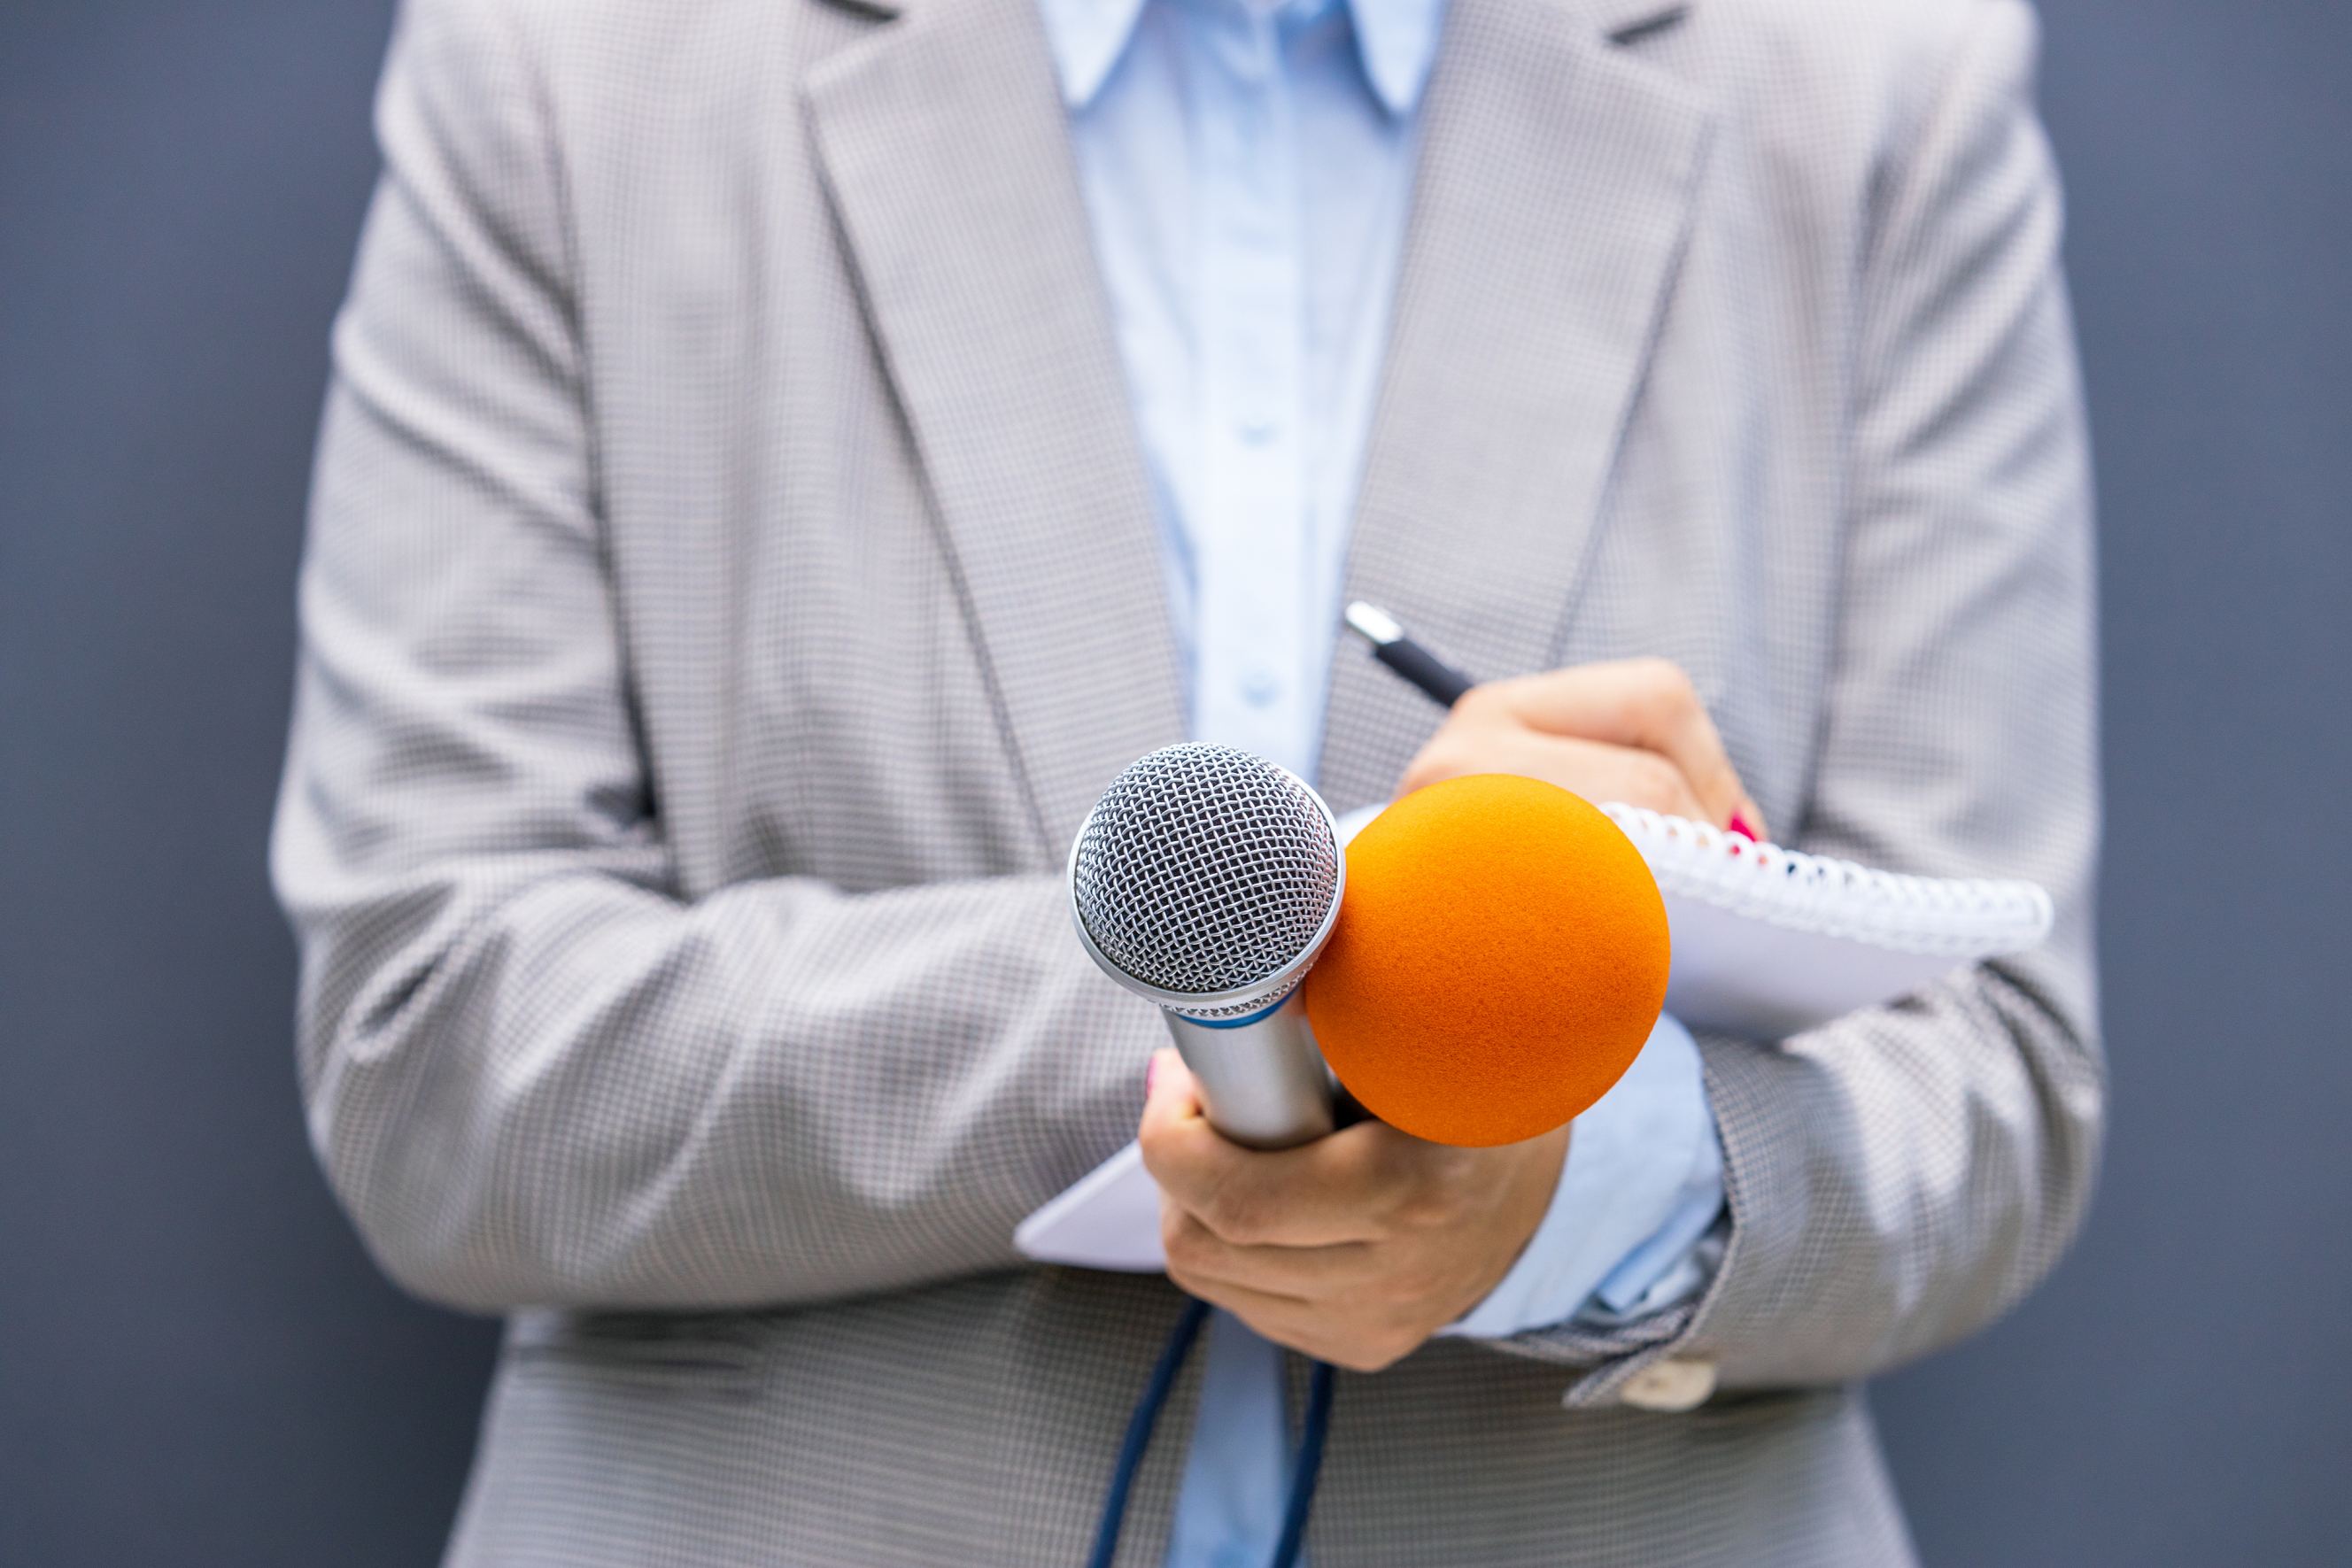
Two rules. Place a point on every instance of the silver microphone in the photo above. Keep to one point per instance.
(1207, 879)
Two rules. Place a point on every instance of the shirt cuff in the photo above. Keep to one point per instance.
(1641, 1189)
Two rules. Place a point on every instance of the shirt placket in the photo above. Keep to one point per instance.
(1253, 542)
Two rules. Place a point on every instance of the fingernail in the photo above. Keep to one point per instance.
(1150, 1075)
(1740, 825)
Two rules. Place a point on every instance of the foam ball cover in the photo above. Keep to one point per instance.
(1501, 956)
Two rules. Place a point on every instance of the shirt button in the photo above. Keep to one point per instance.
(1259, 688)
(1259, 430)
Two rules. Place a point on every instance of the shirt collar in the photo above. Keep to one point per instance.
(1395, 39)
(1086, 38)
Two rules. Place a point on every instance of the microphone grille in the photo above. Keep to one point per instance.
(1204, 869)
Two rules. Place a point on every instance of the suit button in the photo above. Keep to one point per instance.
(1671, 1385)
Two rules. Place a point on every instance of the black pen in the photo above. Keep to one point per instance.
(1435, 679)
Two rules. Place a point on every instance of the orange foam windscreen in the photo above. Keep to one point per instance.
(1500, 957)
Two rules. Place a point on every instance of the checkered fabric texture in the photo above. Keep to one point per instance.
(731, 578)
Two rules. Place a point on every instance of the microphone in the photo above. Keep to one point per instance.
(1500, 961)
(1207, 880)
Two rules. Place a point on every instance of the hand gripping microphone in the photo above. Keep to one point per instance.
(1207, 880)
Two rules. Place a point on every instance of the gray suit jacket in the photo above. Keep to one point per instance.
(731, 579)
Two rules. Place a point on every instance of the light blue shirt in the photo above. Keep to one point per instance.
(1247, 169)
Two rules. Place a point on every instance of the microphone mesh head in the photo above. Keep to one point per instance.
(1204, 869)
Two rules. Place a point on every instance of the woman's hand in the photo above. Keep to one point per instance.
(1633, 730)
(1353, 1249)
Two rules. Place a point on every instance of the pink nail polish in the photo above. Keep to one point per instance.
(1740, 825)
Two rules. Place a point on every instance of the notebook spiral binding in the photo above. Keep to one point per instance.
(1788, 888)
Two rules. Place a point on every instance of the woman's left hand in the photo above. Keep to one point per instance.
(1631, 730)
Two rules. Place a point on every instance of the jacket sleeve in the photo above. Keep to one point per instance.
(1899, 1178)
(534, 1074)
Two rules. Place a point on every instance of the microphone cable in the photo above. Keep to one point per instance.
(1304, 1471)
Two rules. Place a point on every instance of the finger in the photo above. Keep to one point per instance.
(1313, 1328)
(1302, 1325)
(1183, 1153)
(1603, 771)
(1168, 1077)
(1342, 1187)
(1597, 770)
(1196, 1167)
(1195, 1252)
(1648, 704)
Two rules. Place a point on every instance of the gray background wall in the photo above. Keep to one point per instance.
(198, 1366)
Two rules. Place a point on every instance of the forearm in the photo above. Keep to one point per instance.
(1945, 1151)
(552, 1084)
(1895, 1182)
(541, 1066)
(1899, 1178)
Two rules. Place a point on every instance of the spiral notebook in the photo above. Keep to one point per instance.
(1766, 942)
(1769, 941)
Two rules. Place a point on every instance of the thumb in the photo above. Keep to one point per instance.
(1168, 1087)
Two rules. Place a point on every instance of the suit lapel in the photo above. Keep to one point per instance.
(946, 153)
(1553, 197)
(1551, 206)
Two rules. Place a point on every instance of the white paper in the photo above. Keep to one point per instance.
(1736, 975)
(1110, 1219)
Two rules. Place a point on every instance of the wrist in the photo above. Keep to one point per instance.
(1620, 1185)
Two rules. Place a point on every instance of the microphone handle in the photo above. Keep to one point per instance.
(1263, 1083)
